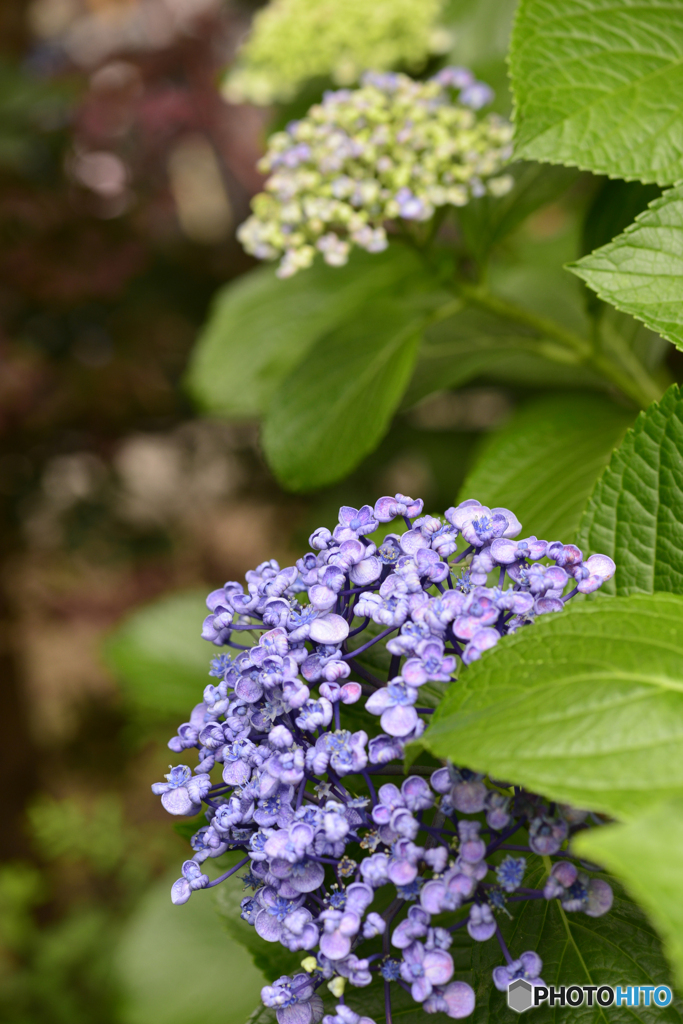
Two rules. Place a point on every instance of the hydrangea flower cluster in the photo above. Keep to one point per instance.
(394, 149)
(372, 883)
(293, 41)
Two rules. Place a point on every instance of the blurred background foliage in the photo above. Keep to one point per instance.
(124, 170)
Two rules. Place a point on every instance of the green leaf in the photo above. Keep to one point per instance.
(477, 344)
(486, 221)
(615, 205)
(621, 947)
(646, 854)
(334, 408)
(585, 706)
(544, 462)
(635, 514)
(270, 958)
(599, 85)
(261, 327)
(641, 271)
(178, 966)
(159, 657)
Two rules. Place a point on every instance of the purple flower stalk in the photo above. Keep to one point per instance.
(286, 779)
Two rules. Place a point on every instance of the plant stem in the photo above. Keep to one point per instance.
(641, 388)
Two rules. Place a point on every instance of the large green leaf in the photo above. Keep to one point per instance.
(177, 965)
(641, 271)
(546, 459)
(486, 221)
(585, 706)
(261, 327)
(615, 205)
(270, 958)
(647, 854)
(619, 948)
(474, 343)
(635, 513)
(159, 657)
(599, 85)
(336, 406)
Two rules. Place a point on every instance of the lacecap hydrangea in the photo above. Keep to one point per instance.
(370, 881)
(393, 150)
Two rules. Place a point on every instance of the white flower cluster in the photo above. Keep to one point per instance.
(294, 41)
(394, 149)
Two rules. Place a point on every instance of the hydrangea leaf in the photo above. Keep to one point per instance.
(599, 85)
(641, 271)
(159, 656)
(546, 459)
(486, 221)
(176, 965)
(585, 706)
(260, 327)
(646, 854)
(271, 958)
(475, 344)
(336, 406)
(614, 206)
(575, 949)
(635, 513)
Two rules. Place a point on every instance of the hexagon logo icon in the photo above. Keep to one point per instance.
(520, 995)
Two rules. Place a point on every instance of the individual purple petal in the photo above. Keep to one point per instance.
(601, 565)
(180, 891)
(413, 541)
(366, 572)
(556, 577)
(461, 513)
(532, 963)
(329, 629)
(459, 998)
(249, 689)
(378, 701)
(484, 639)
(309, 1012)
(589, 585)
(307, 877)
(545, 605)
(469, 797)
(504, 551)
(398, 720)
(385, 509)
(321, 597)
(416, 793)
(359, 896)
(438, 966)
(600, 897)
(177, 801)
(441, 780)
(513, 524)
(465, 626)
(236, 773)
(334, 945)
(481, 924)
(350, 693)
(267, 926)
(476, 95)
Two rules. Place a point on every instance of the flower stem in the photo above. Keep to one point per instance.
(640, 387)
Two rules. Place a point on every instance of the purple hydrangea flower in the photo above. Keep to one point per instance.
(284, 772)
